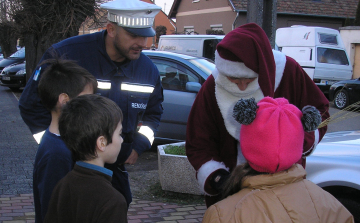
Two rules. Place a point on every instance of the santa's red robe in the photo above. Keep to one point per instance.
(210, 147)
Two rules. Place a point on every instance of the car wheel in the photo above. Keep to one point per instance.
(349, 197)
(351, 205)
(341, 99)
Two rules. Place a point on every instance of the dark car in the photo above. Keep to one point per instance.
(13, 76)
(181, 77)
(1, 54)
(15, 58)
(345, 93)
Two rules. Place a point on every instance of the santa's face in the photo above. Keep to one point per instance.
(242, 83)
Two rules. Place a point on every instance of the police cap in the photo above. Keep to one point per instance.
(134, 16)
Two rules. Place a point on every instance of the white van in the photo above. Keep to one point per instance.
(320, 52)
(194, 45)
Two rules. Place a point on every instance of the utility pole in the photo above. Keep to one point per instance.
(263, 13)
(153, 44)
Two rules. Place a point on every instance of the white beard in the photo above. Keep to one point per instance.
(227, 94)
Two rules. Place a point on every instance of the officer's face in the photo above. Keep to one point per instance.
(128, 45)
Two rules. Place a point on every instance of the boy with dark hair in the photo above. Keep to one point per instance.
(90, 126)
(61, 81)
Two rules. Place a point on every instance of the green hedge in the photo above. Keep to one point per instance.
(175, 150)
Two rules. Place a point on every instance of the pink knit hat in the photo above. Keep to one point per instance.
(273, 142)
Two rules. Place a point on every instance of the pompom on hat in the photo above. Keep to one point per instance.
(273, 140)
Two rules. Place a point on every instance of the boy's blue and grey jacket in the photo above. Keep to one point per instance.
(134, 86)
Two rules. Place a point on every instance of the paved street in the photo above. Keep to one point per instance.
(17, 148)
(347, 121)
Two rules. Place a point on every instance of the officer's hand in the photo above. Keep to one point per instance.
(132, 158)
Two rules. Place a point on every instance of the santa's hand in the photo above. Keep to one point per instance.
(218, 179)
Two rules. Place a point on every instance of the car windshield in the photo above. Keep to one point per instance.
(19, 54)
(204, 65)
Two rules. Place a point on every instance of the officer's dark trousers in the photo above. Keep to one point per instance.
(120, 178)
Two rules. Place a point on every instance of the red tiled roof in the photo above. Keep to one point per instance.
(332, 8)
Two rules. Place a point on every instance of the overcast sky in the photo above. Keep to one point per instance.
(165, 5)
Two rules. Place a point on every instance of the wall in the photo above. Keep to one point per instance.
(351, 39)
(204, 13)
(289, 20)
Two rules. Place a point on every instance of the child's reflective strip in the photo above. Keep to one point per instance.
(104, 85)
(38, 136)
(148, 133)
(136, 88)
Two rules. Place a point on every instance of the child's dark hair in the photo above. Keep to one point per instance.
(84, 119)
(233, 184)
(63, 76)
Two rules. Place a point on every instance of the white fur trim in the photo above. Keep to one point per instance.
(233, 68)
(215, 73)
(280, 61)
(206, 169)
(316, 142)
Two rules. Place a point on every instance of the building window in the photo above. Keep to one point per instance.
(217, 27)
(189, 30)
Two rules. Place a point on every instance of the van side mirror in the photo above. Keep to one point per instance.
(193, 87)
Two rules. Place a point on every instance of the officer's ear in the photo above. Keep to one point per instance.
(111, 29)
(63, 99)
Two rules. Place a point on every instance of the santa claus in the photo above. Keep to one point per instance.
(246, 67)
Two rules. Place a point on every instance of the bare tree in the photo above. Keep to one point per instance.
(43, 23)
(160, 30)
(8, 30)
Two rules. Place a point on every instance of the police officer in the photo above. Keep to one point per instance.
(124, 75)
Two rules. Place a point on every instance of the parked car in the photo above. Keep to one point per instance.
(13, 76)
(345, 93)
(15, 58)
(1, 54)
(194, 45)
(335, 166)
(181, 76)
(320, 51)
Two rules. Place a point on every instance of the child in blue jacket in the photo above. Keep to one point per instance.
(61, 81)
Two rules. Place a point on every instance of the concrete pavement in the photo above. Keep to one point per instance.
(17, 153)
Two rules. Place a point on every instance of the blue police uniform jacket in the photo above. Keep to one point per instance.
(134, 86)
